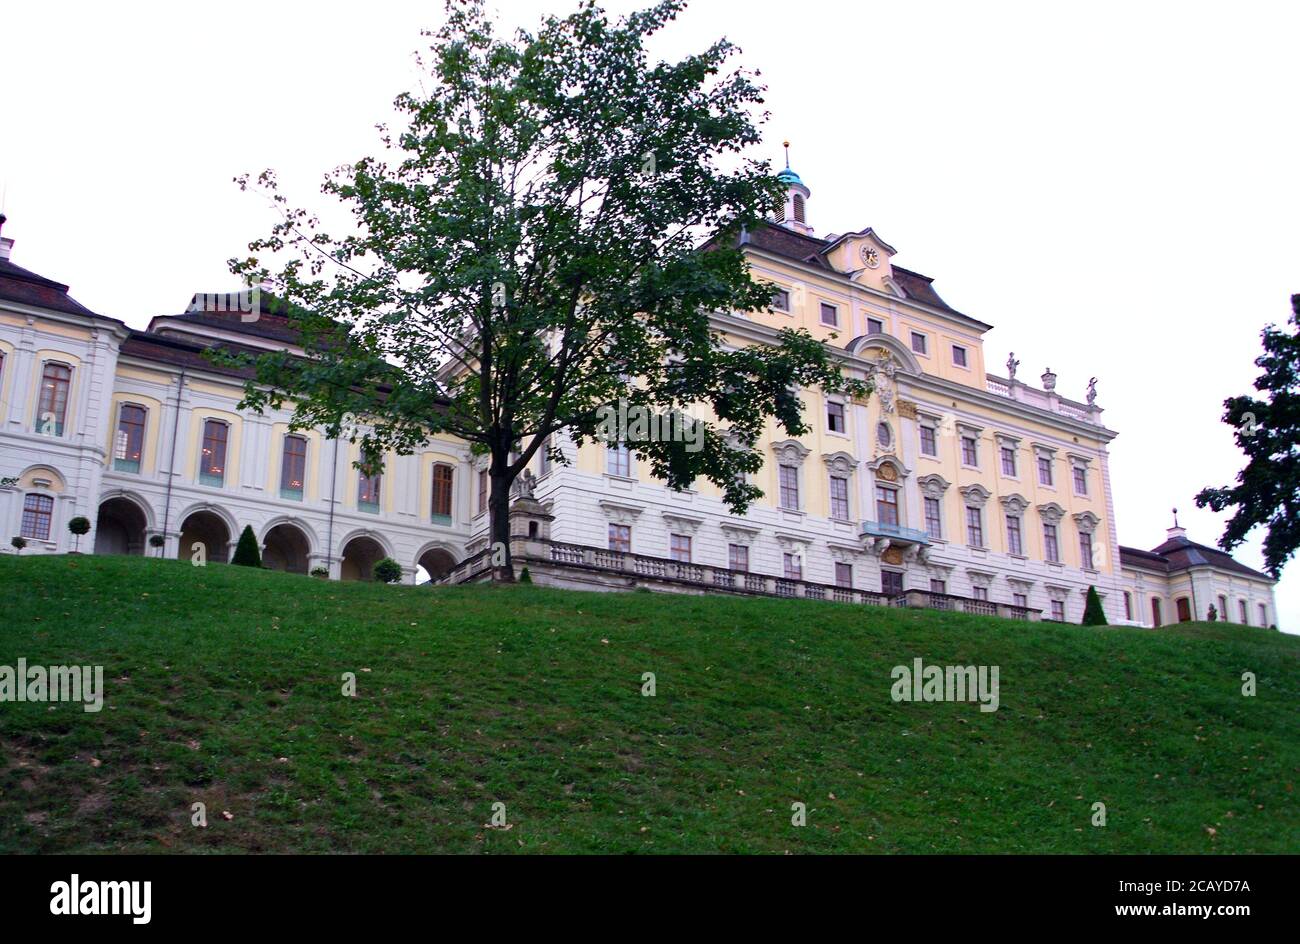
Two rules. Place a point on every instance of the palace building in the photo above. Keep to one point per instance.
(949, 487)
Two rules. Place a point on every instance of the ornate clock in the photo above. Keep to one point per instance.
(870, 258)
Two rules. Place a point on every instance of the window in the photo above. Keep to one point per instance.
(1080, 480)
(1044, 470)
(1263, 615)
(1223, 608)
(918, 342)
(1051, 549)
(843, 575)
(875, 326)
(293, 467)
(835, 417)
(959, 355)
(974, 527)
(792, 566)
(129, 440)
(38, 511)
(443, 480)
(839, 498)
(738, 557)
(1014, 544)
(618, 460)
(781, 299)
(980, 593)
(679, 548)
(368, 492)
(1245, 618)
(482, 490)
(53, 407)
(1058, 610)
(938, 586)
(1156, 618)
(933, 518)
(620, 537)
(969, 451)
(1085, 552)
(544, 457)
(212, 461)
(1009, 461)
(891, 582)
(929, 447)
(789, 477)
(886, 505)
(1184, 610)
(830, 315)
(1128, 605)
(1020, 600)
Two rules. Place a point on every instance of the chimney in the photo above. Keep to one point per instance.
(6, 245)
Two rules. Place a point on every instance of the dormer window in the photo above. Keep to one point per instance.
(959, 355)
(780, 299)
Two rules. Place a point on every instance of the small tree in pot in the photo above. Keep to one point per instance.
(18, 543)
(78, 526)
(158, 541)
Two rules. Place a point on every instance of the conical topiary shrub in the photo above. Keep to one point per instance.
(247, 553)
(1093, 614)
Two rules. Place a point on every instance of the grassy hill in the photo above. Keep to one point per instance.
(224, 687)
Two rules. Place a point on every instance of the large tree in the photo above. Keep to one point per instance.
(1268, 432)
(531, 249)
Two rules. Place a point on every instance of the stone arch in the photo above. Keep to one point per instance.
(862, 345)
(433, 560)
(287, 546)
(360, 550)
(42, 478)
(211, 526)
(122, 524)
(135, 498)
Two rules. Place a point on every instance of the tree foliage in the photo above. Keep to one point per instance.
(387, 570)
(535, 237)
(1267, 430)
(247, 553)
(1093, 613)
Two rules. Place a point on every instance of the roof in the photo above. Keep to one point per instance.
(1179, 554)
(181, 353)
(223, 310)
(25, 287)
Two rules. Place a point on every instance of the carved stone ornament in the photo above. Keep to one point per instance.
(887, 473)
(893, 556)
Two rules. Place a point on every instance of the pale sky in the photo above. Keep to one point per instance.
(1112, 185)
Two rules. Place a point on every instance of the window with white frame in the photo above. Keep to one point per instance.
(1020, 599)
(212, 458)
(839, 498)
(1058, 610)
(780, 299)
(1014, 543)
(875, 326)
(293, 467)
(444, 481)
(679, 548)
(835, 417)
(368, 487)
(1223, 608)
(929, 441)
(483, 487)
(620, 537)
(974, 526)
(792, 565)
(970, 451)
(843, 574)
(933, 518)
(1080, 480)
(938, 586)
(618, 460)
(959, 356)
(830, 315)
(918, 342)
(1009, 461)
(738, 557)
(52, 408)
(1263, 614)
(1085, 551)
(789, 481)
(128, 441)
(980, 593)
(1051, 546)
(38, 513)
(1241, 607)
(886, 504)
(1044, 470)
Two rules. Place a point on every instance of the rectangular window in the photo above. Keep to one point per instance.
(618, 460)
(1223, 608)
(1051, 549)
(1044, 471)
(38, 512)
(1128, 605)
(929, 445)
(891, 582)
(830, 315)
(792, 566)
(1020, 599)
(1085, 551)
(938, 586)
(368, 492)
(1014, 544)
(886, 505)
(843, 574)
(918, 342)
(1080, 480)
(620, 538)
(482, 490)
(969, 451)
(789, 477)
(839, 498)
(959, 355)
(52, 410)
(443, 480)
(738, 557)
(679, 548)
(293, 467)
(835, 417)
(1058, 610)
(980, 593)
(875, 326)
(212, 461)
(1263, 615)
(974, 527)
(1241, 606)
(933, 518)
(1009, 461)
(128, 442)
(780, 299)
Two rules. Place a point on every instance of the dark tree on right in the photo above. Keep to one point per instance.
(1268, 431)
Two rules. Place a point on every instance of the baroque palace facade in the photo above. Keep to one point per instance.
(949, 487)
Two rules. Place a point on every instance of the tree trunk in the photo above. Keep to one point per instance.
(499, 528)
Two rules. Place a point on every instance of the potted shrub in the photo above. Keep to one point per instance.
(158, 541)
(78, 526)
(320, 571)
(388, 570)
(18, 543)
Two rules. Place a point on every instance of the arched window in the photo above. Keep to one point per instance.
(128, 442)
(212, 461)
(38, 511)
(293, 467)
(56, 380)
(368, 491)
(443, 479)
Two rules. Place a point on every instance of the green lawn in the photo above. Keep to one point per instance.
(224, 687)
